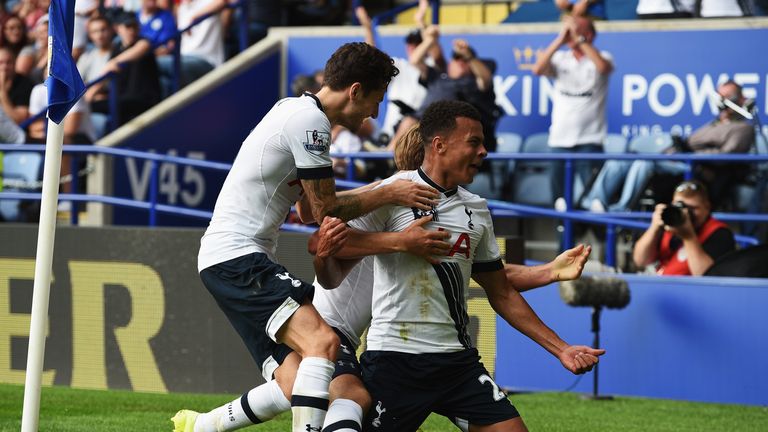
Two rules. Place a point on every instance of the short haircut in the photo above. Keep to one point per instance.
(691, 188)
(409, 150)
(359, 62)
(734, 84)
(98, 18)
(440, 118)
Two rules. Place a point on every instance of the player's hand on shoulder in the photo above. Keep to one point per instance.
(428, 244)
(332, 236)
(580, 358)
(411, 194)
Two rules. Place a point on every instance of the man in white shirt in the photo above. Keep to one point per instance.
(578, 101)
(420, 358)
(285, 157)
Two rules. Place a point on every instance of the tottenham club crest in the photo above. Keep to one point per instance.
(317, 142)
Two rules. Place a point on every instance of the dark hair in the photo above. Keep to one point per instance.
(359, 62)
(414, 37)
(440, 118)
(304, 83)
(16, 47)
(100, 18)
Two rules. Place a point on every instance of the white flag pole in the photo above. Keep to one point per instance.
(42, 287)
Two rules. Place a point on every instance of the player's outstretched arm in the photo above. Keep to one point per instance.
(566, 266)
(322, 197)
(511, 306)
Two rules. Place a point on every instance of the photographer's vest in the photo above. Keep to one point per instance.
(675, 262)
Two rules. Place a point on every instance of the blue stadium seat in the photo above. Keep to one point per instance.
(19, 169)
(492, 184)
(654, 143)
(615, 143)
(747, 196)
(532, 182)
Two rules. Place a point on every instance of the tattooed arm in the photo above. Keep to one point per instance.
(324, 201)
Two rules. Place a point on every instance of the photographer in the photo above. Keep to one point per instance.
(683, 237)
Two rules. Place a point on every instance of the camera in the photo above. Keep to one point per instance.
(672, 215)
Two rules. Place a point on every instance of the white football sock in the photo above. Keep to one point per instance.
(309, 401)
(256, 406)
(344, 415)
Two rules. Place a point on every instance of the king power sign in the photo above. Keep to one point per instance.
(664, 80)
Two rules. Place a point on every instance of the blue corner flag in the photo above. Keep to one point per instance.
(64, 83)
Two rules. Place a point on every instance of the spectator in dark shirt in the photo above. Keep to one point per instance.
(138, 83)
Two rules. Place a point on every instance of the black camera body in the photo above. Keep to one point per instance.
(672, 215)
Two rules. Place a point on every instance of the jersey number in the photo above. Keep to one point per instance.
(497, 394)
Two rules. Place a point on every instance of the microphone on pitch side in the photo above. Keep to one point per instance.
(596, 291)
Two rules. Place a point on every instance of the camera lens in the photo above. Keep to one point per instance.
(672, 216)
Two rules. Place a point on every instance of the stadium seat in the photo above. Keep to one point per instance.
(491, 185)
(615, 143)
(654, 143)
(660, 187)
(747, 195)
(532, 183)
(19, 170)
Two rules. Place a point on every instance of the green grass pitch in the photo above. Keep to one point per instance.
(71, 410)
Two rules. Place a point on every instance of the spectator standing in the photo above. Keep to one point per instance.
(138, 82)
(689, 246)
(84, 9)
(578, 101)
(202, 47)
(406, 94)
(657, 9)
(466, 78)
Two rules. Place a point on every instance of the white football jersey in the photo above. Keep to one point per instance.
(290, 143)
(348, 306)
(419, 307)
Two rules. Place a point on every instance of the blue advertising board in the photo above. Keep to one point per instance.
(663, 80)
(687, 338)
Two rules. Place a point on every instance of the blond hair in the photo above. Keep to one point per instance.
(409, 150)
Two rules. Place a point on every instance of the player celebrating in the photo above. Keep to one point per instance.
(348, 308)
(287, 154)
(420, 358)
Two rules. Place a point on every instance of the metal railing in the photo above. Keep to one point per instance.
(498, 208)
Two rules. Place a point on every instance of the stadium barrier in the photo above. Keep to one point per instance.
(165, 165)
(128, 311)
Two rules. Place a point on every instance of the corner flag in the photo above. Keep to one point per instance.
(65, 86)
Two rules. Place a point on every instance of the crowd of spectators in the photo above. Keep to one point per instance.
(135, 40)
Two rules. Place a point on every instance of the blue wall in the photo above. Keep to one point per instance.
(700, 339)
